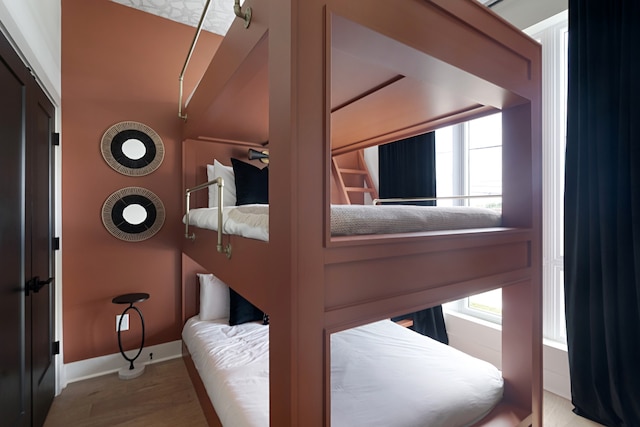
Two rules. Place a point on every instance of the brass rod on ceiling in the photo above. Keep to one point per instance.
(186, 62)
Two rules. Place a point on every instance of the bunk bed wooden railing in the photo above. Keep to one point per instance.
(428, 63)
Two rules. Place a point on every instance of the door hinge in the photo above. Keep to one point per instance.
(55, 347)
(55, 138)
(55, 243)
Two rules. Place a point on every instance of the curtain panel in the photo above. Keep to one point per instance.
(602, 210)
(407, 168)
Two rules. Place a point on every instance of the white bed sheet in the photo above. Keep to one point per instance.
(381, 375)
(252, 221)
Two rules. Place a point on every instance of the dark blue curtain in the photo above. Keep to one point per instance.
(407, 168)
(602, 210)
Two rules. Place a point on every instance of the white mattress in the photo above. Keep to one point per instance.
(381, 375)
(253, 220)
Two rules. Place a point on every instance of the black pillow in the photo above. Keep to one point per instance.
(252, 183)
(242, 311)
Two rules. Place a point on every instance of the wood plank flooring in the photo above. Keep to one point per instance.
(164, 396)
(558, 412)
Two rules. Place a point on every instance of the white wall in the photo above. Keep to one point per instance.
(34, 28)
(525, 13)
(484, 341)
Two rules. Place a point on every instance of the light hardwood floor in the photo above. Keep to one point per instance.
(164, 396)
(557, 412)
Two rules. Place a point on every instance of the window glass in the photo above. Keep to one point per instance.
(485, 132)
(485, 175)
(487, 302)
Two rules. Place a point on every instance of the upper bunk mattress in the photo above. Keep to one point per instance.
(381, 375)
(252, 221)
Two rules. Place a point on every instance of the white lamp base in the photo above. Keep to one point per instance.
(128, 374)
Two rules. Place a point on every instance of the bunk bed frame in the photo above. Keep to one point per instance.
(316, 78)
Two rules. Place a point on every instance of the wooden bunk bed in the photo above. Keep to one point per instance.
(316, 78)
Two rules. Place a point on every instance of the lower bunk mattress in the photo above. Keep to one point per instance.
(382, 374)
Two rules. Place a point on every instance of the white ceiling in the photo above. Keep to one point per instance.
(218, 20)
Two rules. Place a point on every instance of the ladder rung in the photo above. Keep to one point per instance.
(352, 171)
(407, 323)
(359, 190)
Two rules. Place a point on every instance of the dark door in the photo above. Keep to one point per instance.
(27, 374)
(14, 396)
(39, 236)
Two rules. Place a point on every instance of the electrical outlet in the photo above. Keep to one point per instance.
(125, 322)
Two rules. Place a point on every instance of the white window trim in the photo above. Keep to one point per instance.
(552, 34)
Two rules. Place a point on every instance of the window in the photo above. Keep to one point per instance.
(467, 164)
(484, 152)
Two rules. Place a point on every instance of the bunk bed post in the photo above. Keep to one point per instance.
(522, 359)
(296, 197)
(522, 302)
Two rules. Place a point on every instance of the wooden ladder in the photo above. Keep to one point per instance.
(362, 172)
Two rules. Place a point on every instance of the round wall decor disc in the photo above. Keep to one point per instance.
(132, 148)
(133, 214)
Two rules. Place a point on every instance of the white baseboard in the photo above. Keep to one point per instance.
(97, 366)
(484, 340)
(555, 363)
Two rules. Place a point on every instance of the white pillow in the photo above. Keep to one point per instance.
(214, 298)
(226, 172)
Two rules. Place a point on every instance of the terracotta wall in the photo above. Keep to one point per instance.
(119, 64)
